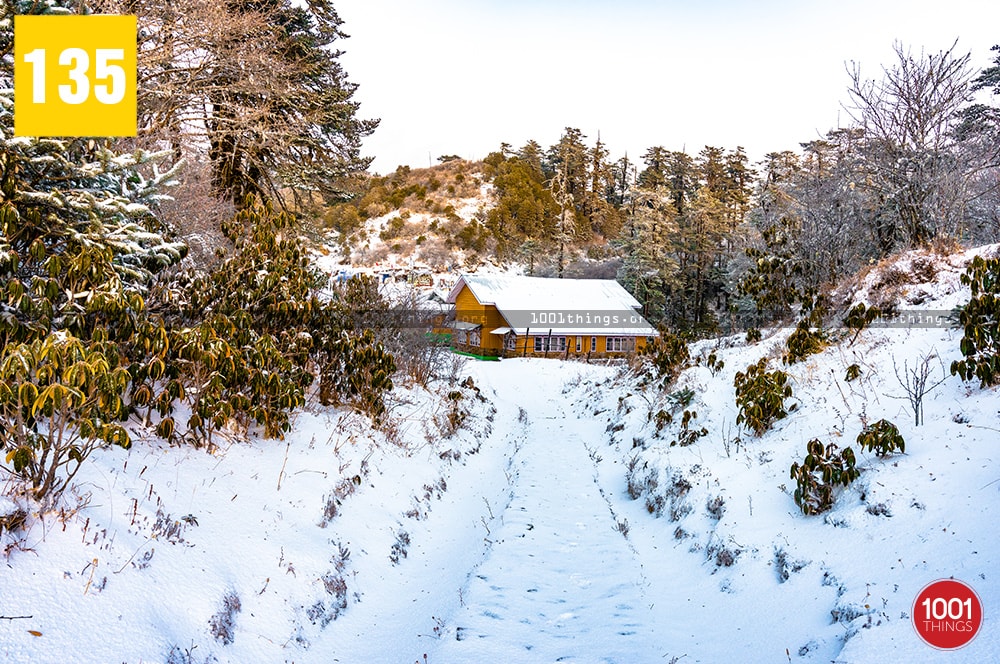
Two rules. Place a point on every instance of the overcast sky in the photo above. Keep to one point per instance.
(462, 76)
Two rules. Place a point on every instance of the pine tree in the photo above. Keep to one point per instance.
(600, 209)
(623, 176)
(569, 155)
(78, 231)
(681, 178)
(655, 173)
(260, 82)
(702, 232)
(738, 187)
(712, 168)
(525, 209)
(647, 243)
(533, 156)
(565, 230)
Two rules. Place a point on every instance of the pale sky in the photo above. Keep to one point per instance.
(462, 76)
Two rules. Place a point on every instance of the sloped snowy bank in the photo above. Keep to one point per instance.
(536, 513)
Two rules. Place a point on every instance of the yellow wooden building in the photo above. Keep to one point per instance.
(512, 316)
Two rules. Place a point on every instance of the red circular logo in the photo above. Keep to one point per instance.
(947, 614)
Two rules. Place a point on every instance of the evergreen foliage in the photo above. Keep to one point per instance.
(649, 267)
(860, 317)
(882, 438)
(79, 238)
(80, 245)
(980, 321)
(808, 337)
(257, 87)
(525, 209)
(60, 399)
(760, 396)
(803, 342)
(93, 333)
(664, 358)
(677, 238)
(267, 334)
(821, 472)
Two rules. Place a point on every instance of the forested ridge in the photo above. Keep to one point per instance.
(713, 240)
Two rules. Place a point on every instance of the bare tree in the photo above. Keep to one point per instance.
(919, 173)
(914, 381)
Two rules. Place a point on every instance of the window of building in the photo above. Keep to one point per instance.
(579, 343)
(620, 344)
(549, 344)
(593, 344)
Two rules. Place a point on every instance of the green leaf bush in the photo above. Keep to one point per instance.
(269, 334)
(665, 358)
(859, 317)
(823, 470)
(60, 399)
(882, 438)
(760, 396)
(803, 342)
(980, 321)
(808, 337)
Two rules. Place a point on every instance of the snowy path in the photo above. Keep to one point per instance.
(560, 583)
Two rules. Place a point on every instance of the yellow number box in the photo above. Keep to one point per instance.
(74, 75)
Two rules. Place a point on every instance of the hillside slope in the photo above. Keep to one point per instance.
(431, 218)
(533, 510)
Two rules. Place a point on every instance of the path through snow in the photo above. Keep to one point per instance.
(559, 578)
(560, 583)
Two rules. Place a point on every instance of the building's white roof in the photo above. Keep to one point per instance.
(564, 306)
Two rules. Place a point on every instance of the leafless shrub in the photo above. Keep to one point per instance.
(913, 161)
(716, 507)
(914, 382)
(399, 549)
(167, 528)
(436, 254)
(370, 255)
(336, 586)
(223, 623)
(723, 555)
(13, 521)
(679, 507)
(333, 500)
(340, 558)
(879, 509)
(784, 566)
(636, 485)
(195, 213)
(923, 270)
(187, 656)
(670, 500)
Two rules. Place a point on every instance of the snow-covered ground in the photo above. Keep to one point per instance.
(516, 538)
